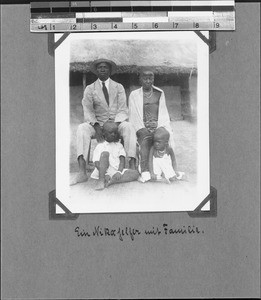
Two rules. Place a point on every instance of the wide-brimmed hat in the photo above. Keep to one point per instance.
(93, 66)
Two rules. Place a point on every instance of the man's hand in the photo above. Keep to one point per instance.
(98, 133)
(151, 125)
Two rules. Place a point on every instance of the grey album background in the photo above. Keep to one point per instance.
(45, 259)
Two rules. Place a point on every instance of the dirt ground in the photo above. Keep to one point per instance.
(118, 196)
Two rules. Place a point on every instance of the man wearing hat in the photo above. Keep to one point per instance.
(103, 100)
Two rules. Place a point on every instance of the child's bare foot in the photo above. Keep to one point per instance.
(167, 180)
(174, 178)
(107, 180)
(112, 180)
(181, 175)
(164, 180)
(100, 185)
(80, 177)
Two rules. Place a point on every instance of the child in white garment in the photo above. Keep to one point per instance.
(162, 161)
(109, 159)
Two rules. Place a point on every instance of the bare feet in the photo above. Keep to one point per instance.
(107, 180)
(111, 180)
(174, 178)
(100, 185)
(80, 177)
(181, 176)
(163, 180)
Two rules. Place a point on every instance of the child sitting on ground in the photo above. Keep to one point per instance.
(162, 159)
(109, 159)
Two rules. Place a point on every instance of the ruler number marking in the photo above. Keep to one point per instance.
(195, 24)
(94, 26)
(134, 25)
(41, 27)
(216, 25)
(175, 25)
(73, 27)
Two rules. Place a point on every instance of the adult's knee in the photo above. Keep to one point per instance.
(84, 128)
(144, 137)
(143, 133)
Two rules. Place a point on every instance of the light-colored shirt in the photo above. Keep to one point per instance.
(115, 150)
(136, 107)
(107, 83)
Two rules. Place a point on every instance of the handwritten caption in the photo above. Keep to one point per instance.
(123, 233)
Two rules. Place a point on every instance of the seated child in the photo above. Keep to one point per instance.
(109, 159)
(162, 159)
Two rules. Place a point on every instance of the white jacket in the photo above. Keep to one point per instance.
(136, 111)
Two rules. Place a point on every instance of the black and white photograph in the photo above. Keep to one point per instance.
(132, 122)
(130, 149)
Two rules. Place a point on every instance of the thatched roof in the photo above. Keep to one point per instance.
(130, 55)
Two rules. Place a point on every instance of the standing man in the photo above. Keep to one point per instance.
(104, 100)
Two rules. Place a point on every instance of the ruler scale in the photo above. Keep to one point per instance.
(93, 16)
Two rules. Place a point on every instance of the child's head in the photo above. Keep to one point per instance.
(161, 138)
(110, 132)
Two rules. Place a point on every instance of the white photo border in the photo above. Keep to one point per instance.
(62, 113)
